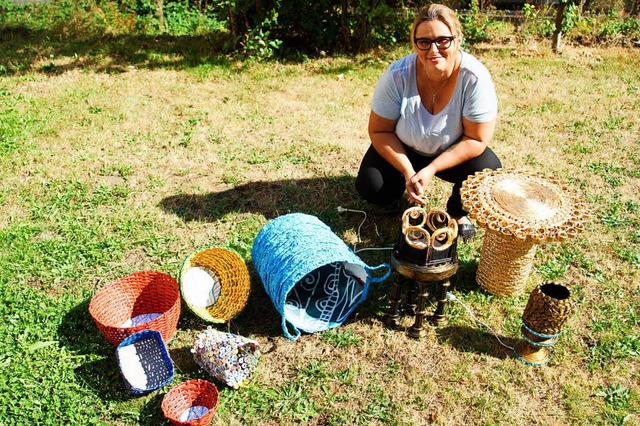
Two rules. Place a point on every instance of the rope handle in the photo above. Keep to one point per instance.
(285, 329)
(375, 268)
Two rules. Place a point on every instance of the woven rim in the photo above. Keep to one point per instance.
(505, 264)
(233, 275)
(524, 204)
(189, 394)
(139, 293)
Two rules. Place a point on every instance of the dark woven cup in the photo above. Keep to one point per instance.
(548, 309)
(191, 395)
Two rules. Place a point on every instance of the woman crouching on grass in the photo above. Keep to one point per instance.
(433, 114)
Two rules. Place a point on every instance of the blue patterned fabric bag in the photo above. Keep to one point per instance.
(313, 278)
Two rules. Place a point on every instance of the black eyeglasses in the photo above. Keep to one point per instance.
(442, 43)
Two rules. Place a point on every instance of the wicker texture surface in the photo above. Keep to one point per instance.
(532, 354)
(524, 204)
(230, 273)
(144, 362)
(519, 209)
(186, 396)
(133, 296)
(548, 309)
(292, 246)
(499, 250)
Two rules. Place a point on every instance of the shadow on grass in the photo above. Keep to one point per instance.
(468, 339)
(319, 197)
(464, 280)
(151, 412)
(79, 334)
(56, 51)
(23, 48)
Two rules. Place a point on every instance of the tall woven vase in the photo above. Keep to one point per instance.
(545, 316)
(505, 263)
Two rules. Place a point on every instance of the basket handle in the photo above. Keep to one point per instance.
(384, 276)
(285, 329)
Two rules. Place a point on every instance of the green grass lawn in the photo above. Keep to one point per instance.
(115, 159)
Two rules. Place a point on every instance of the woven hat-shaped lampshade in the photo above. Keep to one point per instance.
(215, 284)
(193, 403)
(548, 309)
(523, 204)
(519, 210)
(145, 300)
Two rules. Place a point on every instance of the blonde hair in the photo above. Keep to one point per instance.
(440, 12)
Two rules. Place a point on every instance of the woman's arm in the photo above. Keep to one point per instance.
(382, 133)
(475, 138)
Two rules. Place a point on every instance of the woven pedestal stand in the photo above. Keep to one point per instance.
(499, 250)
(519, 210)
(547, 311)
(426, 252)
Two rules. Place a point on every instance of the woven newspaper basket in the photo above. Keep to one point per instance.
(548, 309)
(145, 300)
(520, 210)
(215, 284)
(192, 403)
(228, 357)
(314, 280)
(144, 362)
(544, 318)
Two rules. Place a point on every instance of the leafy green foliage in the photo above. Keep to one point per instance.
(474, 24)
(263, 30)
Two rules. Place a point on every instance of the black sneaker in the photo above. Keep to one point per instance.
(466, 231)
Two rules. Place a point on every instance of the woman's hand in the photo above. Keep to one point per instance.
(418, 183)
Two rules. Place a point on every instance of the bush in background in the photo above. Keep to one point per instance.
(262, 29)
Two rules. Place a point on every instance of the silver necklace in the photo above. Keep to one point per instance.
(436, 93)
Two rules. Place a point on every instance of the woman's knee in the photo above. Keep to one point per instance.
(489, 160)
(375, 187)
(368, 183)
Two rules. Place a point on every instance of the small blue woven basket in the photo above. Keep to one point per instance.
(144, 362)
(313, 278)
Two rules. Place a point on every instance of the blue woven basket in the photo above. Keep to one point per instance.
(144, 362)
(313, 278)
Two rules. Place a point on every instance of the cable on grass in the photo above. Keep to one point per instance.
(341, 209)
(451, 296)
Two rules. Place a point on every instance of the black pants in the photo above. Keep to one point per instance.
(380, 183)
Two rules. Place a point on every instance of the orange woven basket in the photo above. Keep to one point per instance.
(193, 402)
(145, 300)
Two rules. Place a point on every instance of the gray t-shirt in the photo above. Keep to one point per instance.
(396, 98)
